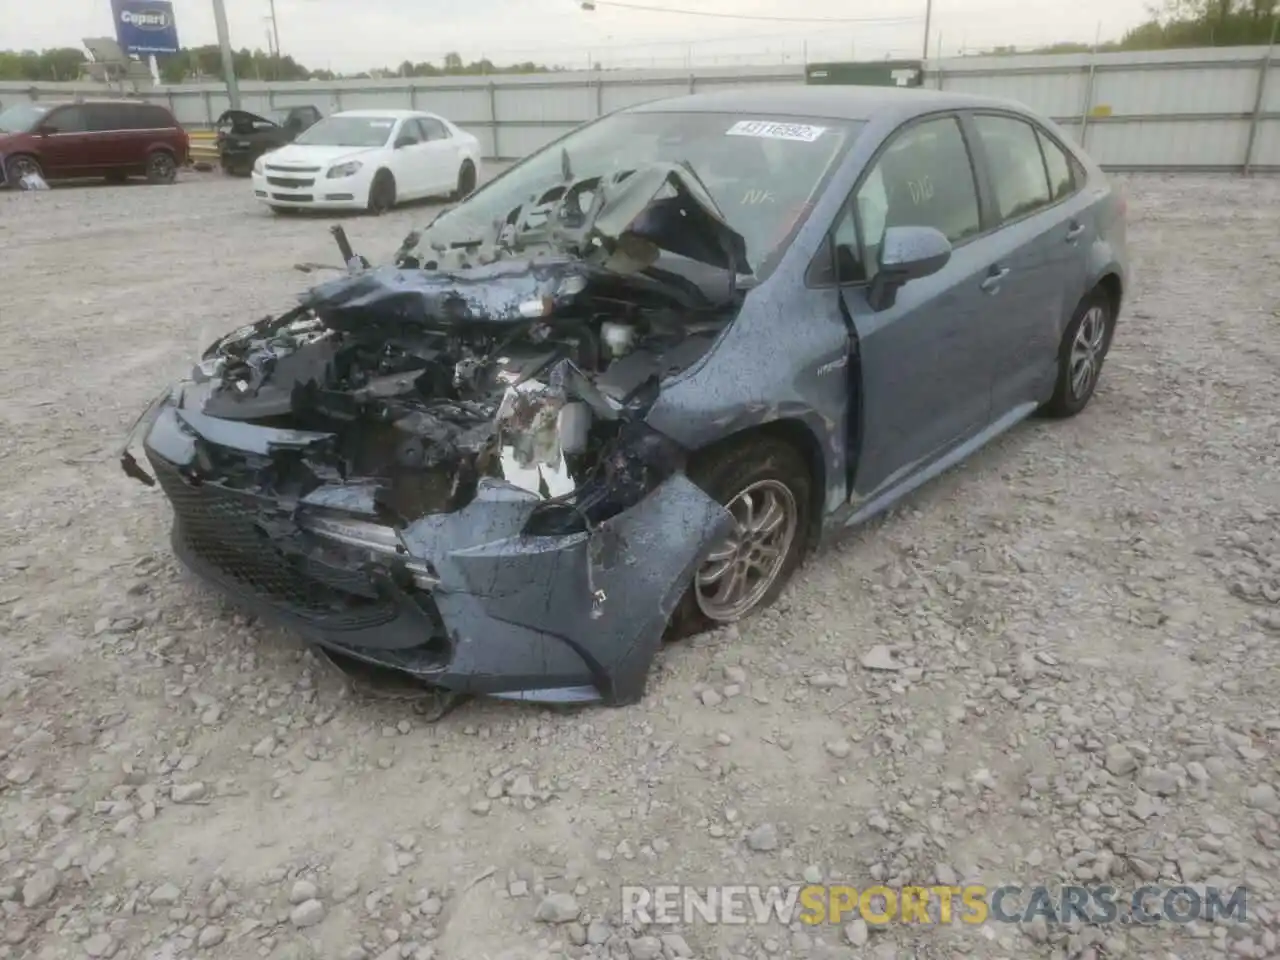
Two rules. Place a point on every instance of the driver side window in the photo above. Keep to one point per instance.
(924, 179)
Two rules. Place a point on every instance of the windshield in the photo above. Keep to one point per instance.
(760, 170)
(21, 117)
(348, 132)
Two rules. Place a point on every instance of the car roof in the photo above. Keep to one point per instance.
(831, 102)
(90, 101)
(385, 114)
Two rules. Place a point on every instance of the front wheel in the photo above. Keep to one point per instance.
(19, 166)
(382, 193)
(766, 486)
(1081, 354)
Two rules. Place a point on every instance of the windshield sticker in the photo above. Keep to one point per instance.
(775, 131)
(381, 124)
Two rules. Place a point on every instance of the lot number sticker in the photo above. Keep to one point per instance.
(775, 131)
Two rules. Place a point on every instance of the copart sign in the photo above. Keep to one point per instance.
(145, 26)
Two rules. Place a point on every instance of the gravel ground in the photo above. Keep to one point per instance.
(1058, 662)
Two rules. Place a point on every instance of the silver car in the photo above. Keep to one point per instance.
(622, 390)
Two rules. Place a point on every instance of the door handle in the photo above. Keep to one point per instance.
(1074, 230)
(992, 283)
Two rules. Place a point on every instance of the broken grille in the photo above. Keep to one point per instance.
(220, 527)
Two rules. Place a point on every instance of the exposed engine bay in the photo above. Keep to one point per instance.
(528, 355)
(425, 408)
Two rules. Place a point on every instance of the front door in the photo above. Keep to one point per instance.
(65, 143)
(925, 373)
(442, 155)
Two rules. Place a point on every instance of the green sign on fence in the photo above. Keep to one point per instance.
(867, 73)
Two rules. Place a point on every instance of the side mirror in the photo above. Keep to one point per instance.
(404, 140)
(906, 254)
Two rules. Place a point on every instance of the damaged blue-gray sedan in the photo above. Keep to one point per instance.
(622, 390)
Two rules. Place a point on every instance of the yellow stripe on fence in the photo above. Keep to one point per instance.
(204, 145)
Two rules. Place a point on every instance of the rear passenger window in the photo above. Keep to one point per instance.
(104, 117)
(1016, 165)
(148, 116)
(1061, 182)
(924, 179)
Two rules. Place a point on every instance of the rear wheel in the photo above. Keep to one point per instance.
(1083, 349)
(466, 181)
(766, 486)
(382, 193)
(19, 166)
(161, 167)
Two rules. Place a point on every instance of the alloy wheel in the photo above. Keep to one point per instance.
(1087, 350)
(162, 167)
(740, 571)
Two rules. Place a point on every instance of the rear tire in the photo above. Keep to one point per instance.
(1081, 355)
(382, 193)
(161, 167)
(771, 476)
(19, 166)
(466, 181)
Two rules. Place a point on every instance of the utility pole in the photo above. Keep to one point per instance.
(275, 27)
(928, 18)
(228, 61)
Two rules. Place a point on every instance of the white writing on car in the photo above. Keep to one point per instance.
(769, 130)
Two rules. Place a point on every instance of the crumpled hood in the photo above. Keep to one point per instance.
(659, 206)
(305, 155)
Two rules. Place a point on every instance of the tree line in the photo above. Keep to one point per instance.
(205, 63)
(1183, 23)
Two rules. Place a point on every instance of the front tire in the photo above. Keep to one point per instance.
(766, 485)
(19, 166)
(382, 193)
(1081, 354)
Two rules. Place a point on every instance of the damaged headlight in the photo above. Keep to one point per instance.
(638, 460)
(344, 169)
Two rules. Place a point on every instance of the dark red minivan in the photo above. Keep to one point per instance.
(91, 138)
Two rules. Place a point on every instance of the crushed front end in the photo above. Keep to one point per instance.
(446, 471)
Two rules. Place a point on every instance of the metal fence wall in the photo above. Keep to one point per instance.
(1199, 109)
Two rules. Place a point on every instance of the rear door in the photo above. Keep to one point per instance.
(1041, 240)
(66, 149)
(926, 379)
(115, 135)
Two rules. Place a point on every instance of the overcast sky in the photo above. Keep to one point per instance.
(352, 35)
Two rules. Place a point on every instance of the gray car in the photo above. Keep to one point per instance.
(621, 391)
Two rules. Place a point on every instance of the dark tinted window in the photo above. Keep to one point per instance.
(147, 116)
(1016, 166)
(1061, 178)
(104, 117)
(67, 120)
(923, 179)
(433, 129)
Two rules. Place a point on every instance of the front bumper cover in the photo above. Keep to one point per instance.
(509, 615)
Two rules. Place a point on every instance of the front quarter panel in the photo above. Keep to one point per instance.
(786, 356)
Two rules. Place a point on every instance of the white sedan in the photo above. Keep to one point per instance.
(369, 160)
